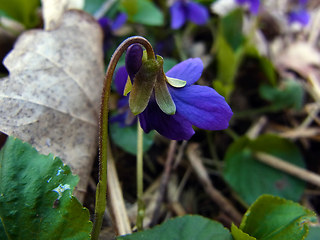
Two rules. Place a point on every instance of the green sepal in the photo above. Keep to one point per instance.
(144, 56)
(175, 82)
(143, 85)
(127, 87)
(163, 97)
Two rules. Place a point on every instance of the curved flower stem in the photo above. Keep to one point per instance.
(101, 192)
(140, 214)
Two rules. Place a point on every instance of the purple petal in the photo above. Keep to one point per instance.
(124, 117)
(253, 5)
(119, 21)
(133, 59)
(119, 118)
(303, 2)
(123, 102)
(197, 13)
(202, 106)
(189, 70)
(121, 79)
(301, 16)
(174, 127)
(178, 14)
(104, 22)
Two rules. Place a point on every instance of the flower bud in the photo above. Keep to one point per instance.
(133, 60)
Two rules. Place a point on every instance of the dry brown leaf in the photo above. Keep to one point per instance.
(300, 57)
(52, 11)
(52, 94)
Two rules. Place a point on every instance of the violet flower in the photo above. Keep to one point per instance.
(300, 14)
(124, 116)
(253, 5)
(113, 25)
(196, 105)
(183, 10)
(110, 26)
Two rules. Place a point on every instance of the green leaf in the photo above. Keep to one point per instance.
(250, 178)
(314, 233)
(3, 235)
(228, 64)
(35, 196)
(268, 69)
(231, 28)
(274, 218)
(130, 6)
(183, 228)
(23, 11)
(144, 12)
(266, 65)
(169, 63)
(126, 138)
(238, 234)
(289, 95)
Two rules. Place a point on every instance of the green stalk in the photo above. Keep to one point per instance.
(140, 213)
(101, 191)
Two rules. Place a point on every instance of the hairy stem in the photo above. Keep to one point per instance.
(101, 192)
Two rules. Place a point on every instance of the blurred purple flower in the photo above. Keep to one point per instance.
(183, 10)
(253, 5)
(124, 116)
(303, 2)
(110, 26)
(300, 14)
(196, 105)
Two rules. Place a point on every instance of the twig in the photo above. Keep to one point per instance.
(288, 168)
(257, 127)
(164, 182)
(224, 204)
(180, 154)
(117, 209)
(301, 133)
(182, 184)
(104, 8)
(177, 208)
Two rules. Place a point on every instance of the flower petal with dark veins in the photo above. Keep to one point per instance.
(171, 126)
(202, 106)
